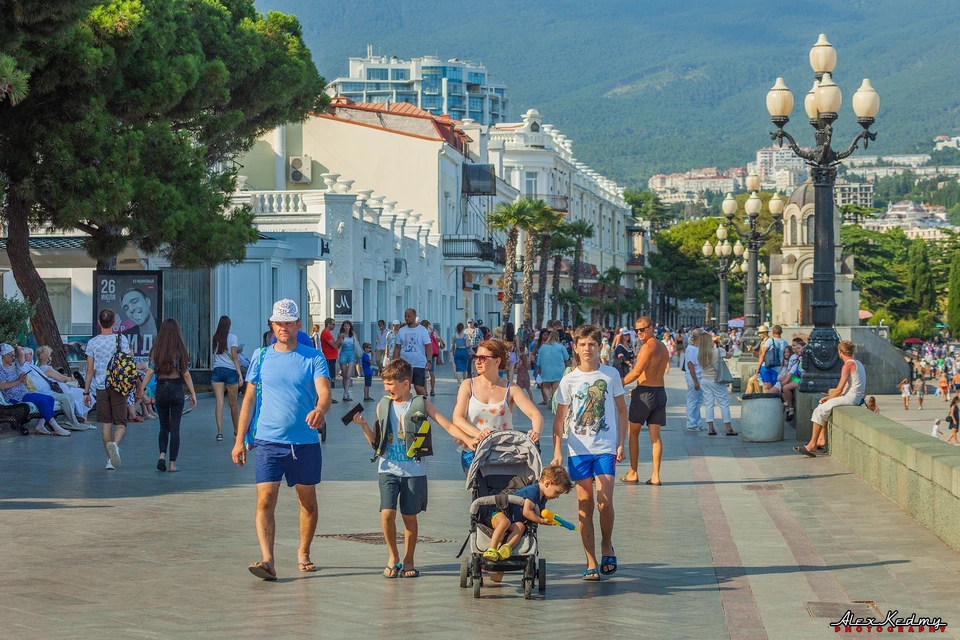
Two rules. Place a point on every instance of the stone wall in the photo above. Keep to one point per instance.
(918, 472)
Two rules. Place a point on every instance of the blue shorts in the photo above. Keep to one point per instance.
(226, 375)
(769, 375)
(368, 379)
(591, 466)
(300, 463)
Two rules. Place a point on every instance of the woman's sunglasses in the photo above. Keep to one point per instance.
(482, 359)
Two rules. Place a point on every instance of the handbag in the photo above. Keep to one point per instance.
(54, 385)
(723, 373)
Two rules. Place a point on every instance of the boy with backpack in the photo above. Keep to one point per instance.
(401, 439)
(770, 356)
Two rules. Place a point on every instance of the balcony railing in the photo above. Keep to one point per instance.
(557, 203)
(636, 260)
(466, 247)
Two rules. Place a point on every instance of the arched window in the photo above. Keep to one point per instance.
(811, 226)
(793, 231)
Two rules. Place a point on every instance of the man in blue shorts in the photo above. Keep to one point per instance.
(770, 357)
(293, 399)
(591, 406)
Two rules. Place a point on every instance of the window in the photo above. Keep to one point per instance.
(351, 86)
(455, 102)
(793, 231)
(407, 97)
(59, 291)
(378, 74)
(476, 104)
(476, 78)
(431, 83)
(186, 296)
(453, 73)
(399, 74)
(431, 102)
(531, 184)
(810, 223)
(455, 88)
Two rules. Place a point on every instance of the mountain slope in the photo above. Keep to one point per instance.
(648, 86)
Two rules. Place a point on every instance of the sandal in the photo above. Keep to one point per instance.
(161, 464)
(731, 433)
(409, 573)
(262, 571)
(505, 551)
(624, 480)
(307, 566)
(392, 572)
(711, 433)
(651, 482)
(219, 437)
(608, 561)
(492, 555)
(803, 450)
(591, 575)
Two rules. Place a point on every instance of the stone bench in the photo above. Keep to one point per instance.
(917, 471)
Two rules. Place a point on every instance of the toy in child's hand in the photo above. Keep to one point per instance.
(546, 514)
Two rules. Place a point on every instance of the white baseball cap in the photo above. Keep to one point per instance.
(285, 311)
(5, 349)
(395, 323)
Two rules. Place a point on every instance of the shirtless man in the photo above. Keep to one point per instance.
(648, 402)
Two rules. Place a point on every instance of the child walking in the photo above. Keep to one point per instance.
(402, 477)
(554, 482)
(367, 364)
(590, 405)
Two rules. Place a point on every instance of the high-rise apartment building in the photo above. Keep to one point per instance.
(457, 88)
(772, 158)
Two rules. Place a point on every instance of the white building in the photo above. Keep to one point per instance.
(457, 88)
(771, 159)
(856, 193)
(916, 221)
(946, 142)
(789, 178)
(912, 160)
(538, 160)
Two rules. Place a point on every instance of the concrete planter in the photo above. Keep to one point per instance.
(761, 418)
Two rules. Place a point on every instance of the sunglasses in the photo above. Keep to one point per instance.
(482, 359)
(644, 328)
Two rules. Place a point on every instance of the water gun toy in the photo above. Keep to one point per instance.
(546, 514)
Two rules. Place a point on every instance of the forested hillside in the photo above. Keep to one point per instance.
(645, 86)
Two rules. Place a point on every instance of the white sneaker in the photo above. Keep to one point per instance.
(113, 453)
(110, 466)
(42, 430)
(60, 431)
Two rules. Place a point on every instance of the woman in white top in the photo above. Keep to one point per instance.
(226, 374)
(714, 393)
(42, 374)
(905, 392)
(486, 402)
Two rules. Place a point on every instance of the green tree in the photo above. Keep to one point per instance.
(646, 204)
(509, 218)
(953, 303)
(919, 277)
(579, 230)
(550, 223)
(571, 300)
(561, 246)
(540, 216)
(881, 271)
(14, 318)
(134, 112)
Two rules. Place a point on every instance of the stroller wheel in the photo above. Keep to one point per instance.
(528, 576)
(464, 572)
(477, 575)
(542, 574)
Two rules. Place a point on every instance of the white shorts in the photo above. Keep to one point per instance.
(821, 413)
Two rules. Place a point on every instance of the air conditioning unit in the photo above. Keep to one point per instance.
(300, 169)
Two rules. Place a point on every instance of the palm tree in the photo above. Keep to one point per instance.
(560, 246)
(579, 230)
(569, 298)
(552, 222)
(609, 282)
(509, 218)
(539, 217)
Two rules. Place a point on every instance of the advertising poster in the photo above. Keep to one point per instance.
(136, 297)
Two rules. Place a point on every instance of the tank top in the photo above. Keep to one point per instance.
(348, 351)
(461, 343)
(493, 416)
(434, 343)
(857, 386)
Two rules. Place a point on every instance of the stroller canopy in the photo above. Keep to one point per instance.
(504, 453)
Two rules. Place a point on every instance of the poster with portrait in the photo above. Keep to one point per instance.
(136, 298)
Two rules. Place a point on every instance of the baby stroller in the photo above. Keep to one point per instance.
(504, 461)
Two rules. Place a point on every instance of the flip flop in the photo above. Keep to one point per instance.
(161, 464)
(624, 480)
(415, 572)
(588, 575)
(259, 569)
(307, 567)
(392, 572)
(803, 451)
(608, 561)
(711, 433)
(177, 470)
(651, 482)
(731, 433)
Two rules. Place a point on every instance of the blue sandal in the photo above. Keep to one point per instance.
(610, 561)
(591, 572)
(392, 572)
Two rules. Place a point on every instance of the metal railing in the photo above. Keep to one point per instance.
(636, 260)
(557, 203)
(467, 247)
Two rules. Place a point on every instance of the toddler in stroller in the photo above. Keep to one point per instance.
(506, 474)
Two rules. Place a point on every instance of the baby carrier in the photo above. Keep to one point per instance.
(504, 462)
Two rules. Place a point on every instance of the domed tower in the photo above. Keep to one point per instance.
(792, 278)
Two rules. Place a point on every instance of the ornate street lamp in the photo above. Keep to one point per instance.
(725, 265)
(754, 238)
(821, 364)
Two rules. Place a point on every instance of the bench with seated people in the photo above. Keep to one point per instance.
(13, 375)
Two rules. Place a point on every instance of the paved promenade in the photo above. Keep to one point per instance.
(741, 541)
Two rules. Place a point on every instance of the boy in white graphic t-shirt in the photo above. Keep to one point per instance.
(590, 404)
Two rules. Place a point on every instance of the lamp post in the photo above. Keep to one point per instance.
(821, 364)
(725, 265)
(754, 238)
(764, 282)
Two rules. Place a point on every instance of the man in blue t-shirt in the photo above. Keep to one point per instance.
(289, 409)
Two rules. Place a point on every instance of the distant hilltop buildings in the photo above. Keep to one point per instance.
(927, 221)
(687, 187)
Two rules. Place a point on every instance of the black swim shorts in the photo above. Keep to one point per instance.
(648, 405)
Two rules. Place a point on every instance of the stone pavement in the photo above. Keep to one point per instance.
(741, 541)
